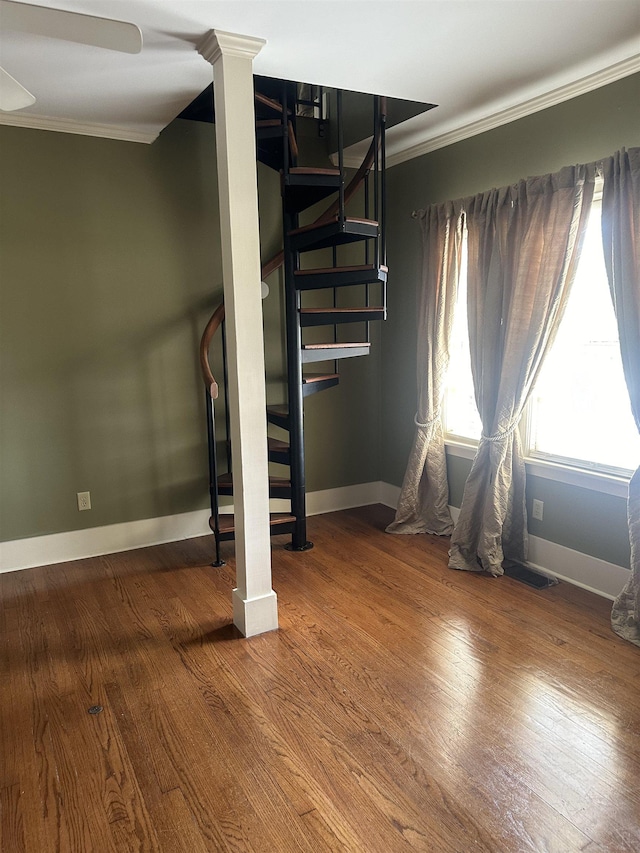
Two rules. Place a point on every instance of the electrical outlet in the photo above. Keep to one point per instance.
(537, 511)
(84, 500)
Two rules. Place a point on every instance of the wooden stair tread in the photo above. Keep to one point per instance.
(314, 225)
(311, 170)
(338, 345)
(334, 316)
(226, 521)
(333, 310)
(309, 378)
(279, 416)
(329, 270)
(278, 446)
(304, 186)
(269, 122)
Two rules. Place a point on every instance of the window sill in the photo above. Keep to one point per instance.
(595, 481)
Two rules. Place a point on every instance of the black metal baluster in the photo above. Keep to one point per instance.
(225, 373)
(376, 172)
(383, 179)
(341, 216)
(294, 382)
(213, 476)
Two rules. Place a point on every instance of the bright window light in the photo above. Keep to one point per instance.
(461, 418)
(579, 412)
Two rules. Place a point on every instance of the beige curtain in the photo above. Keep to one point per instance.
(424, 497)
(524, 243)
(621, 242)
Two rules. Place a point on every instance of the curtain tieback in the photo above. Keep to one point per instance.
(428, 423)
(500, 436)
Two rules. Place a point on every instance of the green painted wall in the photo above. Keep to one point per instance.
(587, 521)
(578, 131)
(109, 269)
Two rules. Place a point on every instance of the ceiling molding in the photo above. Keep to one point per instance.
(557, 96)
(396, 154)
(534, 105)
(63, 125)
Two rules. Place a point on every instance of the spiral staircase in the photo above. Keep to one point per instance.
(353, 218)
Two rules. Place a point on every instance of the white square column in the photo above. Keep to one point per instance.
(255, 607)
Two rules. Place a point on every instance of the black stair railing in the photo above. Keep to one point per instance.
(211, 394)
(299, 540)
(340, 118)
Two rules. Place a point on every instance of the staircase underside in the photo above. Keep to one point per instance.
(334, 316)
(318, 279)
(312, 383)
(308, 238)
(328, 352)
(303, 187)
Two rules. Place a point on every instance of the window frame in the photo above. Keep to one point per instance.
(595, 476)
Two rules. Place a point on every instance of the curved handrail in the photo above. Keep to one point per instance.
(210, 329)
(277, 260)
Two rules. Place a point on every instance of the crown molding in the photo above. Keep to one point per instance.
(217, 43)
(65, 125)
(556, 96)
(231, 44)
(399, 154)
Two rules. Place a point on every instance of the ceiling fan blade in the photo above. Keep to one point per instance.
(13, 96)
(71, 26)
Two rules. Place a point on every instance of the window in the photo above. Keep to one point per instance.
(579, 412)
(461, 418)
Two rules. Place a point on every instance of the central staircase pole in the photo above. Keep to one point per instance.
(294, 384)
(254, 601)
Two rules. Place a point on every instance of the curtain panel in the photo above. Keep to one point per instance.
(524, 244)
(621, 244)
(424, 496)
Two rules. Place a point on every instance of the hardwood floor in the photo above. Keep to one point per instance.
(401, 706)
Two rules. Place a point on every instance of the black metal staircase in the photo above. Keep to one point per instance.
(278, 104)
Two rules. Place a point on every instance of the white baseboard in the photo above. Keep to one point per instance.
(598, 576)
(389, 495)
(332, 500)
(94, 541)
(583, 570)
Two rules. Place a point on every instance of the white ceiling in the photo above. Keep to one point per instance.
(483, 63)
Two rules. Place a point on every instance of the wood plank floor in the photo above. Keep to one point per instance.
(401, 706)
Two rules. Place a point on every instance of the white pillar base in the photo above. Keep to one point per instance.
(255, 615)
